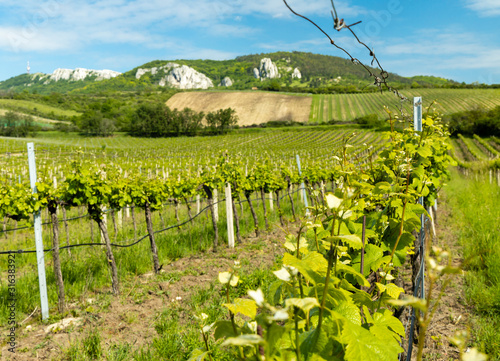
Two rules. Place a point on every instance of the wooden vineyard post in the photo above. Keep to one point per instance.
(55, 255)
(198, 205)
(210, 201)
(248, 196)
(229, 215)
(303, 193)
(271, 202)
(38, 237)
(151, 234)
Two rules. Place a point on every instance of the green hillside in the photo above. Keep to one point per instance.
(320, 74)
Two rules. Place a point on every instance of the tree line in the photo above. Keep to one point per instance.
(158, 120)
(485, 123)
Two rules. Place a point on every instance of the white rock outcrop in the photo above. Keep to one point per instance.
(81, 74)
(140, 72)
(268, 69)
(178, 76)
(296, 74)
(226, 82)
(185, 77)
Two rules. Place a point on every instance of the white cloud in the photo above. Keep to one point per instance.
(448, 53)
(484, 7)
(20, 39)
(137, 21)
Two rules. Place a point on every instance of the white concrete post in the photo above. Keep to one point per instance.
(229, 215)
(38, 237)
(216, 204)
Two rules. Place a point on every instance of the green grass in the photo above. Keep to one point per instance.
(36, 108)
(346, 107)
(477, 215)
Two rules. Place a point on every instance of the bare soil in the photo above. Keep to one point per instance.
(251, 107)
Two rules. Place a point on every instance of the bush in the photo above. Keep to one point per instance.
(15, 125)
(222, 120)
(65, 127)
(475, 121)
(94, 124)
(158, 120)
(369, 121)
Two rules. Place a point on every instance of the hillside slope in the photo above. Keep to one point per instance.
(290, 71)
(251, 107)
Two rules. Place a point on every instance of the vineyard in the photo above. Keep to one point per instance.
(478, 157)
(116, 208)
(174, 178)
(346, 107)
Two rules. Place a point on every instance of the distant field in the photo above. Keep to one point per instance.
(30, 107)
(260, 107)
(251, 107)
(345, 107)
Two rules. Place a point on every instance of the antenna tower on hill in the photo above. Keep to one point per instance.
(28, 67)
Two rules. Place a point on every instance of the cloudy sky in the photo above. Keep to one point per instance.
(455, 39)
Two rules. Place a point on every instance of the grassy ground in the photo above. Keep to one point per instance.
(477, 218)
(153, 318)
(31, 107)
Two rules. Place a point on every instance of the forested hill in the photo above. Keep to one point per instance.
(278, 71)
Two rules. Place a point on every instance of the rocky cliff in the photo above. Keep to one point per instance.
(77, 74)
(267, 69)
(178, 76)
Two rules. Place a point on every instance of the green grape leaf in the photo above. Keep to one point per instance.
(313, 341)
(223, 329)
(244, 306)
(198, 355)
(305, 304)
(362, 345)
(244, 340)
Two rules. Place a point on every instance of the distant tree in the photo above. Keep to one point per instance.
(158, 120)
(222, 120)
(190, 121)
(149, 120)
(475, 121)
(16, 125)
(94, 124)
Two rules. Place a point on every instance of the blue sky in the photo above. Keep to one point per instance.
(455, 39)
